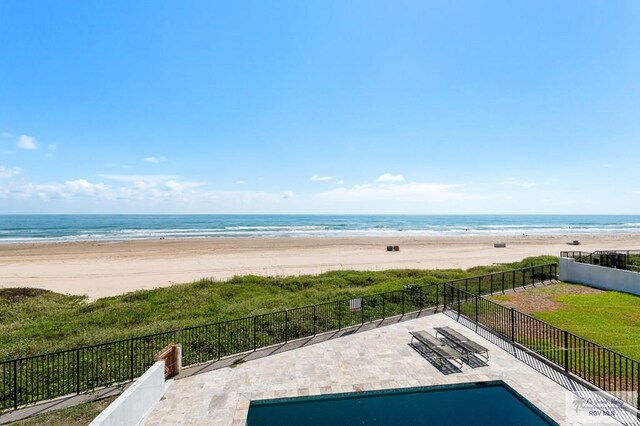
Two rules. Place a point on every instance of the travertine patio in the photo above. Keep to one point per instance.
(380, 358)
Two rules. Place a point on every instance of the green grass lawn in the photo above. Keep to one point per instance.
(37, 321)
(609, 318)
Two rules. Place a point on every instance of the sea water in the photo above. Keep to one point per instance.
(37, 228)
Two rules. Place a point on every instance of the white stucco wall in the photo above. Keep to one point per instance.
(599, 276)
(137, 401)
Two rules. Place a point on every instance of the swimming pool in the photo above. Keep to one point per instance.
(484, 403)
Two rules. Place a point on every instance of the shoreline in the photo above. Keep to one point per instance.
(391, 235)
(106, 268)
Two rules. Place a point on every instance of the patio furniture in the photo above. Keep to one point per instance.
(468, 347)
(438, 348)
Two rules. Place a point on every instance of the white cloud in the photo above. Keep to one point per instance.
(363, 186)
(288, 194)
(388, 177)
(52, 191)
(240, 182)
(83, 187)
(340, 182)
(181, 186)
(9, 172)
(317, 178)
(27, 142)
(155, 160)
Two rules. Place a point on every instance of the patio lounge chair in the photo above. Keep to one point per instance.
(438, 348)
(461, 342)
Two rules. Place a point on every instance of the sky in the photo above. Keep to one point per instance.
(416, 107)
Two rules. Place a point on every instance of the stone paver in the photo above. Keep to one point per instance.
(376, 359)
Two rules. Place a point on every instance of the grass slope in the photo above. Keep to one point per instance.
(80, 415)
(37, 321)
(609, 318)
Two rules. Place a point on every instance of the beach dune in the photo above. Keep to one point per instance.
(98, 269)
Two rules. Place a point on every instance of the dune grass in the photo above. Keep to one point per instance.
(37, 321)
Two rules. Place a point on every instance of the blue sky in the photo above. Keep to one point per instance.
(319, 107)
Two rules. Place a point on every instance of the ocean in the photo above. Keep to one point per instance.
(55, 228)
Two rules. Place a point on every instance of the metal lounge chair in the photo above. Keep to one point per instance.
(463, 343)
(438, 348)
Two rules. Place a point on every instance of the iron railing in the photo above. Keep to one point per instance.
(42, 377)
(619, 259)
(604, 368)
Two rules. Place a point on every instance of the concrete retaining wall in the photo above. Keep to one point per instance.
(137, 401)
(599, 276)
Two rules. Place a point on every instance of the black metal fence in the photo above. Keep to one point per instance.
(42, 377)
(619, 259)
(607, 369)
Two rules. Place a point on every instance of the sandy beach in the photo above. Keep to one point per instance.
(98, 269)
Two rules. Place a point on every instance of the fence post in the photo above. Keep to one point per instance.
(459, 311)
(420, 298)
(339, 315)
(383, 306)
(513, 325)
(503, 283)
(437, 291)
(533, 276)
(402, 302)
(286, 327)
(15, 384)
(491, 284)
(315, 319)
(131, 366)
(78, 371)
(219, 351)
(362, 311)
(476, 312)
(255, 333)
(566, 351)
(513, 281)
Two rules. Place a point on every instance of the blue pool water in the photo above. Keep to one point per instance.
(485, 403)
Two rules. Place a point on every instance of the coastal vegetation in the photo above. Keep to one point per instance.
(35, 321)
